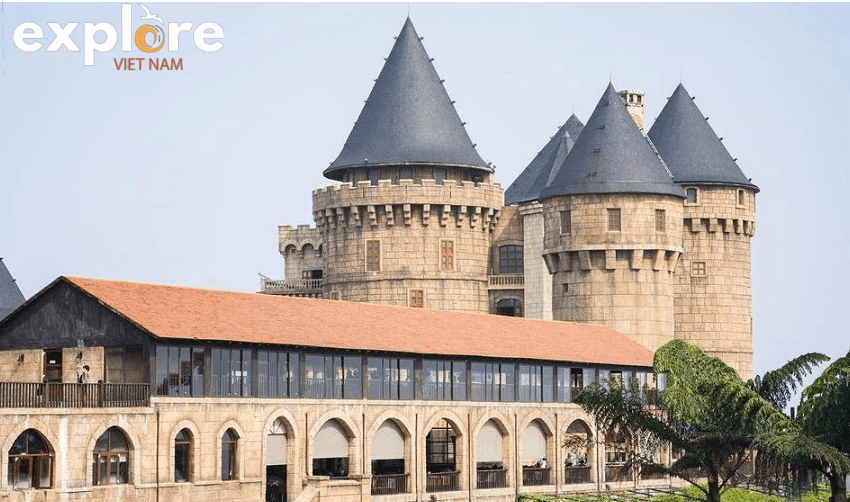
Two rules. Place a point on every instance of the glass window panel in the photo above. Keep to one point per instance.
(548, 384)
(161, 381)
(353, 381)
(215, 375)
(508, 373)
(185, 370)
(405, 379)
(173, 371)
(197, 372)
(44, 472)
(23, 473)
(459, 381)
(314, 370)
(477, 381)
(294, 368)
(263, 388)
(246, 389)
(429, 379)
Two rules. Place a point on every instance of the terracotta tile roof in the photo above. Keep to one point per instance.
(174, 312)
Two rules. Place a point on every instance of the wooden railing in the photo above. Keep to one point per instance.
(443, 482)
(507, 281)
(536, 476)
(495, 478)
(73, 395)
(576, 475)
(389, 484)
(296, 286)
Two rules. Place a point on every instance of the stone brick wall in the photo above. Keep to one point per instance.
(538, 284)
(713, 307)
(300, 248)
(410, 222)
(619, 278)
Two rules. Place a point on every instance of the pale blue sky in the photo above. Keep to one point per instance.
(182, 177)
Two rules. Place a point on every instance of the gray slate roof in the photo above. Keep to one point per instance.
(10, 295)
(408, 118)
(543, 168)
(611, 156)
(689, 146)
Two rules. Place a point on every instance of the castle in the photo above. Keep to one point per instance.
(113, 390)
(647, 233)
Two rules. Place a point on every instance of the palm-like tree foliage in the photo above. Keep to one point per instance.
(709, 414)
(779, 385)
(825, 415)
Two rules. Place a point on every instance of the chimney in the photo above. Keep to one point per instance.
(634, 105)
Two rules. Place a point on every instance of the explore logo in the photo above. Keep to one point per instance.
(148, 38)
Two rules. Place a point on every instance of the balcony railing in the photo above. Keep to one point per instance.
(296, 287)
(506, 281)
(495, 478)
(390, 484)
(443, 482)
(576, 475)
(536, 476)
(73, 395)
(617, 473)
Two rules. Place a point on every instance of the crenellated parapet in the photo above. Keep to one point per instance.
(467, 204)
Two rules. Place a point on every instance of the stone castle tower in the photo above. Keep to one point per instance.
(648, 234)
(411, 222)
(612, 239)
(713, 286)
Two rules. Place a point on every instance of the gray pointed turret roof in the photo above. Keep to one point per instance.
(611, 156)
(10, 295)
(408, 118)
(690, 147)
(542, 169)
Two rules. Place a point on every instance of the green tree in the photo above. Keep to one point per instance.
(779, 385)
(825, 415)
(708, 414)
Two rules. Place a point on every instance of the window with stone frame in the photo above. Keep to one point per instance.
(741, 199)
(614, 224)
(30, 462)
(698, 269)
(691, 195)
(373, 255)
(447, 255)
(510, 259)
(229, 443)
(566, 222)
(183, 456)
(111, 458)
(416, 298)
(660, 220)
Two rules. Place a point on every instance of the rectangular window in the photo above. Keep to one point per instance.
(390, 378)
(691, 195)
(443, 380)
(698, 269)
(332, 377)
(275, 371)
(614, 220)
(416, 298)
(566, 222)
(510, 259)
(492, 382)
(447, 256)
(576, 382)
(230, 372)
(740, 197)
(660, 220)
(373, 255)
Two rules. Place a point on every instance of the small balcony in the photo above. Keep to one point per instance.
(311, 288)
(536, 476)
(390, 484)
(506, 281)
(443, 482)
(576, 475)
(492, 478)
(73, 395)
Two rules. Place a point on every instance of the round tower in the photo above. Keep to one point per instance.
(714, 283)
(612, 238)
(411, 222)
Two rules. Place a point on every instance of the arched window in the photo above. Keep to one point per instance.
(616, 449)
(330, 450)
(388, 476)
(229, 442)
(510, 259)
(490, 463)
(440, 458)
(577, 450)
(183, 456)
(276, 454)
(511, 308)
(30, 462)
(111, 458)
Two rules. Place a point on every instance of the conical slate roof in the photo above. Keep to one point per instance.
(10, 295)
(611, 156)
(408, 118)
(689, 146)
(542, 169)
